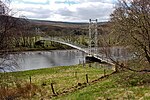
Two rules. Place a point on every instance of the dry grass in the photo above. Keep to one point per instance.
(25, 91)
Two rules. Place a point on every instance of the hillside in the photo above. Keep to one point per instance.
(63, 24)
(54, 26)
(59, 28)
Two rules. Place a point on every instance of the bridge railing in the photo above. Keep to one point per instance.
(102, 57)
(65, 40)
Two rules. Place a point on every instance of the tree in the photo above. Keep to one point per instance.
(10, 30)
(131, 27)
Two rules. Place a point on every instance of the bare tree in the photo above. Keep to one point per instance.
(10, 30)
(131, 27)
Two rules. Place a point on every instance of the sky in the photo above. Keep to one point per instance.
(64, 10)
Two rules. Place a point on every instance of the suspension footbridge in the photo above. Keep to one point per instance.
(91, 54)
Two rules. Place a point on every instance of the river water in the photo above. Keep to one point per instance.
(44, 59)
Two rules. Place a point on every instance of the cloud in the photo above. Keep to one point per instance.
(87, 11)
(65, 10)
(97, 10)
(66, 2)
(38, 13)
(32, 1)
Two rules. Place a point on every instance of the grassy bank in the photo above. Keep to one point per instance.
(61, 77)
(70, 83)
(119, 86)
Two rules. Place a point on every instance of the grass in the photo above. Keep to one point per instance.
(69, 83)
(115, 87)
(63, 78)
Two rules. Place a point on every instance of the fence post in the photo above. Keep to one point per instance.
(30, 86)
(75, 74)
(90, 65)
(104, 72)
(52, 88)
(87, 78)
(30, 79)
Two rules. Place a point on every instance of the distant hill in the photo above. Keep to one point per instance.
(63, 24)
(57, 27)
(56, 23)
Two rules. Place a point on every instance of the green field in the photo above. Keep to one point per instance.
(70, 83)
(115, 87)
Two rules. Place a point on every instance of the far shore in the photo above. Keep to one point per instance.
(33, 49)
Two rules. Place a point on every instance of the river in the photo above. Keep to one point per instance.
(47, 59)
(43, 59)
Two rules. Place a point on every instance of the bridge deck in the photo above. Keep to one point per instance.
(97, 56)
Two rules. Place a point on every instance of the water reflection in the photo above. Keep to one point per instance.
(45, 59)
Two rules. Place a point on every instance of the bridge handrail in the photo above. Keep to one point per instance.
(62, 40)
(104, 59)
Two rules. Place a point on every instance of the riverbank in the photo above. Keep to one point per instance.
(70, 82)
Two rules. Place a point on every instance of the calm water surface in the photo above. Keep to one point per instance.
(47, 59)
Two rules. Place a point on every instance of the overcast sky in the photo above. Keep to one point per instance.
(64, 10)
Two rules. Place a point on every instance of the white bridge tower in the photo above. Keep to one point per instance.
(93, 41)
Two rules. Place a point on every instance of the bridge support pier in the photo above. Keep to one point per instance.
(90, 58)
